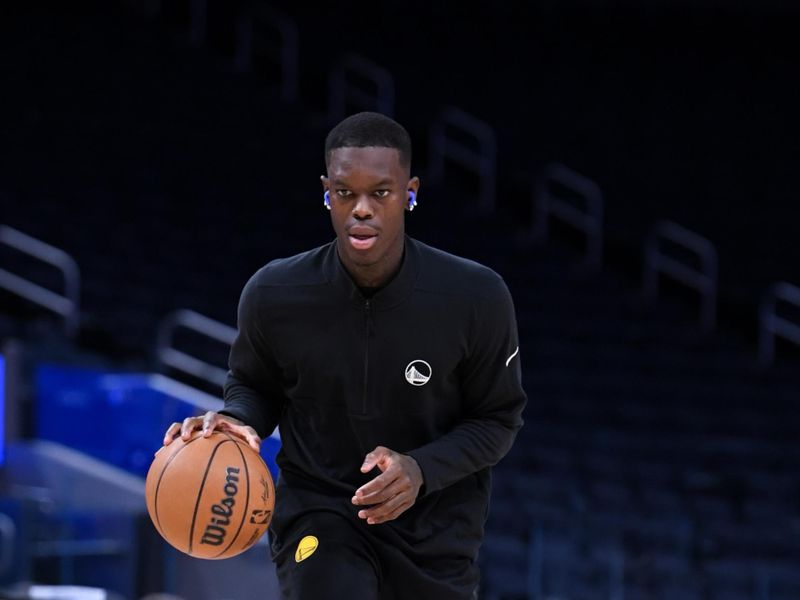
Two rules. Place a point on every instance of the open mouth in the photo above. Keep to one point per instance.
(362, 241)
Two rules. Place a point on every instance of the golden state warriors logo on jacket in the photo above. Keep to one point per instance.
(418, 372)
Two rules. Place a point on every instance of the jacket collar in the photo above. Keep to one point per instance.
(395, 292)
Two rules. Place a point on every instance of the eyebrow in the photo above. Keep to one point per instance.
(381, 183)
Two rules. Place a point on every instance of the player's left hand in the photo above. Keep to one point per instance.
(393, 491)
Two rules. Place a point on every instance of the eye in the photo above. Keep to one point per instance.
(382, 193)
(342, 193)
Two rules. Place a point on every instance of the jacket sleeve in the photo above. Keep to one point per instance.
(252, 391)
(493, 398)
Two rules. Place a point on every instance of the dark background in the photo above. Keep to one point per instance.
(679, 110)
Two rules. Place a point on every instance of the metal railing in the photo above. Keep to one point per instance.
(66, 305)
(588, 219)
(480, 157)
(250, 28)
(771, 325)
(703, 280)
(344, 92)
(183, 361)
(8, 540)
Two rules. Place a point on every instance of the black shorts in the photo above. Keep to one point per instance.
(325, 556)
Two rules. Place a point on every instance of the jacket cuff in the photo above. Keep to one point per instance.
(246, 417)
(429, 477)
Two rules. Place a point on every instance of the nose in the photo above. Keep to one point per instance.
(363, 208)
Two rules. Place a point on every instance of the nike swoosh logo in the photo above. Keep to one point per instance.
(512, 355)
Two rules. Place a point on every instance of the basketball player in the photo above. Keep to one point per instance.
(393, 371)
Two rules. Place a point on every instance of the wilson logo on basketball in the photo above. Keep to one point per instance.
(215, 531)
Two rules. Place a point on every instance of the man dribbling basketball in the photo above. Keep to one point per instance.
(393, 371)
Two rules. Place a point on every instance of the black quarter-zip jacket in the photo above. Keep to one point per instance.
(428, 366)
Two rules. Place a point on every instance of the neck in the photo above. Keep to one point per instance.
(377, 274)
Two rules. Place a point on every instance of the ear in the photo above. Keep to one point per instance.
(413, 185)
(325, 182)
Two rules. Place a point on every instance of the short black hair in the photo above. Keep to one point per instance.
(366, 129)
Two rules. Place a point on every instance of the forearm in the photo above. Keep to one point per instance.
(249, 406)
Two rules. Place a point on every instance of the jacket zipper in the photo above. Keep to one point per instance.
(367, 328)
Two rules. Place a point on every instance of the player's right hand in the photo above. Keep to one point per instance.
(208, 423)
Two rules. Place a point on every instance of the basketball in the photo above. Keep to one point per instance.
(210, 497)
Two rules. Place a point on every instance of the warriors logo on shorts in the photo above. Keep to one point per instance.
(305, 548)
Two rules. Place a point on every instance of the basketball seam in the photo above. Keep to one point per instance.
(200, 492)
(158, 485)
